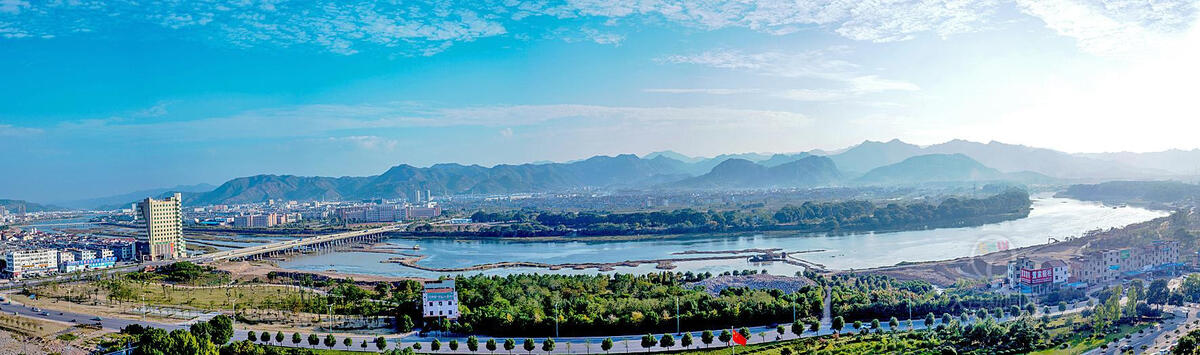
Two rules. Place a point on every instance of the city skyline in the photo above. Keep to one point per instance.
(110, 98)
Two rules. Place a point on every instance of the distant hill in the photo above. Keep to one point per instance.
(404, 180)
(672, 155)
(780, 159)
(741, 173)
(14, 206)
(870, 155)
(1135, 192)
(124, 200)
(931, 168)
(871, 162)
(706, 165)
(1011, 158)
(1174, 161)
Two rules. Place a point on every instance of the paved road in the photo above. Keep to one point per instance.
(1157, 338)
(79, 318)
(577, 345)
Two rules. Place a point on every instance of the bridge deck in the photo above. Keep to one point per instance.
(294, 244)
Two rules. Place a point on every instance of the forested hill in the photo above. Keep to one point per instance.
(1160, 192)
(15, 206)
(809, 216)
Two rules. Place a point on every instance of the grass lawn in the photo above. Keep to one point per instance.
(161, 294)
(1082, 344)
(845, 344)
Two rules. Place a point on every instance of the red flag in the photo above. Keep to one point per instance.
(738, 338)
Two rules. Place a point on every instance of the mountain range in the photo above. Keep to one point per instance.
(869, 163)
(18, 206)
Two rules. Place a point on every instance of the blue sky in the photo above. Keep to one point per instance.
(105, 97)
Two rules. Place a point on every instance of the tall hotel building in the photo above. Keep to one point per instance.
(164, 227)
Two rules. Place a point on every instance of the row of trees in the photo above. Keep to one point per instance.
(869, 296)
(809, 216)
(620, 303)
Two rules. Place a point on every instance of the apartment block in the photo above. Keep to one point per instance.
(164, 227)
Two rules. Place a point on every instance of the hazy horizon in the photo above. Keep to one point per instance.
(108, 98)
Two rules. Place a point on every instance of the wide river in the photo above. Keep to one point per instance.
(1050, 218)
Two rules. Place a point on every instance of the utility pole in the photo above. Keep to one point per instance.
(556, 318)
(677, 315)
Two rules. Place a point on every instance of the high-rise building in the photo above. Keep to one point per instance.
(164, 227)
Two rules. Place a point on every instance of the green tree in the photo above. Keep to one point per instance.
(453, 344)
(666, 341)
(1157, 293)
(814, 327)
(893, 324)
(490, 345)
(548, 345)
(313, 340)
(203, 331)
(706, 337)
(279, 337)
(509, 345)
(606, 345)
(875, 323)
(648, 341)
(347, 342)
(380, 343)
(296, 339)
(250, 335)
(183, 342)
(330, 341)
(404, 324)
(946, 318)
(472, 343)
(838, 323)
(929, 319)
(745, 332)
(435, 345)
(857, 324)
(686, 341)
(222, 329)
(529, 345)
(725, 336)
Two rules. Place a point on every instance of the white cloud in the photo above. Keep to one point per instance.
(708, 91)
(817, 64)
(12, 6)
(365, 142)
(337, 120)
(7, 130)
(1114, 27)
(428, 27)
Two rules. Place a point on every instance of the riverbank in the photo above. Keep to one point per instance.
(249, 270)
(986, 266)
(1051, 219)
(661, 264)
(781, 229)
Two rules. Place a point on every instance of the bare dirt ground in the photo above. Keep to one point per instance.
(947, 272)
(788, 284)
(43, 338)
(248, 270)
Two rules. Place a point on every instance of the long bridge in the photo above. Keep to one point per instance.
(301, 245)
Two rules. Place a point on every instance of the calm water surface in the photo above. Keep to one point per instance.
(1051, 217)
